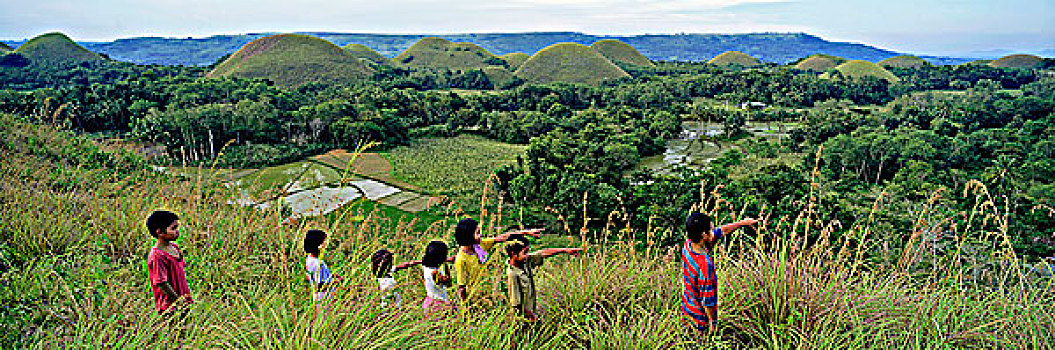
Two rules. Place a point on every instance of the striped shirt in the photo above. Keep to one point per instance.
(701, 283)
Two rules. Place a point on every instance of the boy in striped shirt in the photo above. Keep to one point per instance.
(699, 297)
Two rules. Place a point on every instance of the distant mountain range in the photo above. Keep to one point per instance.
(769, 47)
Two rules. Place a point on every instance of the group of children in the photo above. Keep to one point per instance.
(470, 269)
(699, 293)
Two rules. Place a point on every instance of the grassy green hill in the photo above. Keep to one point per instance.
(293, 60)
(570, 63)
(856, 69)
(904, 61)
(441, 53)
(621, 52)
(515, 59)
(4, 47)
(498, 75)
(735, 58)
(52, 48)
(1018, 61)
(365, 52)
(819, 62)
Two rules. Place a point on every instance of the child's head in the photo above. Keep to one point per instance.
(517, 248)
(699, 228)
(467, 233)
(313, 240)
(163, 224)
(381, 263)
(435, 254)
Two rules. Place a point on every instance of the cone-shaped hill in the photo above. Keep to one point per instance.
(857, 69)
(904, 61)
(56, 48)
(365, 52)
(515, 59)
(569, 63)
(819, 63)
(292, 60)
(620, 52)
(1018, 61)
(735, 58)
(440, 53)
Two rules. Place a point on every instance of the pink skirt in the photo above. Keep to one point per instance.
(434, 305)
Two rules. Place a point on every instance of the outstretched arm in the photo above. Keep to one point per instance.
(545, 253)
(535, 232)
(406, 265)
(418, 262)
(729, 228)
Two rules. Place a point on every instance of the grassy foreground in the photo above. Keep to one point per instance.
(73, 274)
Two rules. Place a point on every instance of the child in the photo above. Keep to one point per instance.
(472, 254)
(318, 274)
(521, 276)
(436, 281)
(165, 263)
(382, 267)
(699, 298)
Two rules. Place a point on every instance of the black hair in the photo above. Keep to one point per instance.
(435, 254)
(465, 232)
(381, 263)
(159, 220)
(695, 225)
(515, 246)
(312, 240)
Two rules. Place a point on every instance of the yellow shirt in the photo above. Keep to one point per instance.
(471, 273)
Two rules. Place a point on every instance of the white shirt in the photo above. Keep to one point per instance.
(388, 291)
(432, 289)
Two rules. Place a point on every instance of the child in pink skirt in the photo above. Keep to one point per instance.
(437, 280)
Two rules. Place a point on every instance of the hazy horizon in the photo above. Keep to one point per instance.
(943, 27)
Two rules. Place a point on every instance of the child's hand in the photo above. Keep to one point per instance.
(749, 221)
(443, 279)
(574, 251)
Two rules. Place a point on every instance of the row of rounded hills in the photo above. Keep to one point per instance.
(295, 59)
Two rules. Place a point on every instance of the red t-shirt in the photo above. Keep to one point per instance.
(166, 268)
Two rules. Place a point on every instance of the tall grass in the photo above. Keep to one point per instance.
(74, 276)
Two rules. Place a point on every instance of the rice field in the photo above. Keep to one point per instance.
(456, 167)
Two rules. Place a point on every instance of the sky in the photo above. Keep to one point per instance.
(936, 27)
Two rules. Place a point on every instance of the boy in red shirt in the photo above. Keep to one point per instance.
(699, 297)
(165, 262)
